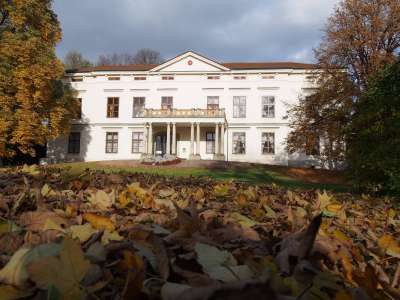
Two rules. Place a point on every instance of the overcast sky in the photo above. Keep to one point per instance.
(224, 30)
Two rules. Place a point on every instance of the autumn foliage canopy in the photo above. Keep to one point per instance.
(34, 103)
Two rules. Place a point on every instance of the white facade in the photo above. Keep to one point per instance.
(191, 80)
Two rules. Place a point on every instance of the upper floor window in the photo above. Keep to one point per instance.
(166, 102)
(167, 77)
(239, 77)
(239, 107)
(268, 107)
(210, 142)
(213, 77)
(112, 107)
(79, 112)
(268, 143)
(114, 78)
(138, 106)
(77, 79)
(111, 142)
(239, 142)
(139, 78)
(268, 77)
(137, 142)
(212, 102)
(74, 143)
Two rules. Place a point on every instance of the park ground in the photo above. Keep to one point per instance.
(289, 177)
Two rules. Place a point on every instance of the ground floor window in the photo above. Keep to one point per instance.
(112, 142)
(313, 147)
(137, 142)
(268, 143)
(210, 142)
(74, 143)
(239, 142)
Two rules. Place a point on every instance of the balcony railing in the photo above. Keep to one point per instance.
(184, 113)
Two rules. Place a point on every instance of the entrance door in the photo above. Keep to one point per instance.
(161, 144)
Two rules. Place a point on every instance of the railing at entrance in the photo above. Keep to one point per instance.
(184, 113)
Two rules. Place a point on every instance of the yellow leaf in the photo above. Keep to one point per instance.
(110, 236)
(99, 222)
(334, 207)
(343, 295)
(241, 199)
(323, 199)
(340, 236)
(8, 292)
(70, 211)
(82, 232)
(389, 245)
(123, 199)
(51, 225)
(391, 213)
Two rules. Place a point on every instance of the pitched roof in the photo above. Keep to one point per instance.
(132, 67)
(267, 65)
(231, 66)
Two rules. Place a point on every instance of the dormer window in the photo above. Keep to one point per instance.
(140, 78)
(213, 77)
(239, 77)
(114, 78)
(167, 78)
(77, 79)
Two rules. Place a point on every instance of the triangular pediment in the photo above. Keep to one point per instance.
(189, 62)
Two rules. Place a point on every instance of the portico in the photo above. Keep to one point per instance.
(185, 139)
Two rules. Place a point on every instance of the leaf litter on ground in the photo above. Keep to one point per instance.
(141, 236)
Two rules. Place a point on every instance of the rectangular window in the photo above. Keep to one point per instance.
(140, 78)
(114, 78)
(239, 142)
(76, 79)
(268, 143)
(239, 77)
(268, 107)
(166, 102)
(210, 142)
(268, 77)
(137, 142)
(74, 143)
(213, 77)
(167, 78)
(212, 102)
(239, 107)
(313, 147)
(112, 107)
(112, 142)
(79, 112)
(138, 106)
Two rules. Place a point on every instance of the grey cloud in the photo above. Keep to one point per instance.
(225, 30)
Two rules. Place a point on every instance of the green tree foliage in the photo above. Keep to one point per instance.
(374, 143)
(35, 105)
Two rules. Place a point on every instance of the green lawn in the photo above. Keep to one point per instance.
(257, 174)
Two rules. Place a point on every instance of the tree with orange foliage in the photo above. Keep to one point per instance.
(361, 37)
(35, 105)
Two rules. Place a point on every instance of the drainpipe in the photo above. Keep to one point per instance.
(227, 142)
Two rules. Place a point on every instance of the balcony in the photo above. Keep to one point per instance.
(183, 113)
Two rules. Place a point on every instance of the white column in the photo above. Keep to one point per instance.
(191, 139)
(168, 138)
(222, 137)
(216, 139)
(198, 140)
(150, 139)
(174, 138)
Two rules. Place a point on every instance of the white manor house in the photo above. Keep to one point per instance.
(190, 106)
